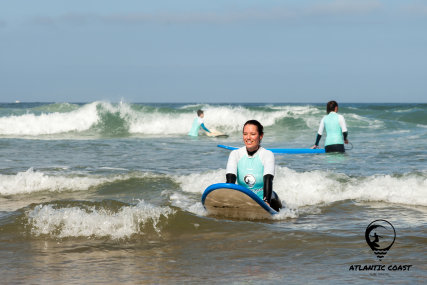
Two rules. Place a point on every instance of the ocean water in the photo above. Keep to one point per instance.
(105, 192)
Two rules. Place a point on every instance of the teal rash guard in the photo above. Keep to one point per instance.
(197, 123)
(336, 129)
(250, 170)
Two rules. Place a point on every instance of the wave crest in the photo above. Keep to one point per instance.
(96, 222)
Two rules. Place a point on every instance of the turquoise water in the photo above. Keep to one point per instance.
(109, 193)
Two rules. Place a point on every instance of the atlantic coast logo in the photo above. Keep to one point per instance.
(380, 236)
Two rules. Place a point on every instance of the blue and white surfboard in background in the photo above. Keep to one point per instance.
(283, 150)
(235, 201)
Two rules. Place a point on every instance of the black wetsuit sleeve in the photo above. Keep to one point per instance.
(230, 178)
(317, 139)
(268, 187)
(345, 134)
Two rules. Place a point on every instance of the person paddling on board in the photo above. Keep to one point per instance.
(252, 166)
(336, 129)
(197, 123)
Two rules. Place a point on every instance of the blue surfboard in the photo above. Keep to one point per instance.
(235, 201)
(283, 150)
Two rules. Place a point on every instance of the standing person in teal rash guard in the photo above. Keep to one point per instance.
(197, 123)
(336, 129)
(253, 166)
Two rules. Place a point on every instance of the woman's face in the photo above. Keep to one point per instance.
(251, 137)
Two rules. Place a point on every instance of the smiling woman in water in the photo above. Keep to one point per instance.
(252, 166)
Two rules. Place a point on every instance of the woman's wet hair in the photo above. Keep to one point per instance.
(257, 124)
(330, 106)
(199, 112)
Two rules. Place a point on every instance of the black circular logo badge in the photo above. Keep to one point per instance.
(380, 236)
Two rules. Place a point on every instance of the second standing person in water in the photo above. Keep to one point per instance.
(336, 129)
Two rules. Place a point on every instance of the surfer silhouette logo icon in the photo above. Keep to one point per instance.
(250, 180)
(380, 236)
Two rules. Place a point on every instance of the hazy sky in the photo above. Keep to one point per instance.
(213, 51)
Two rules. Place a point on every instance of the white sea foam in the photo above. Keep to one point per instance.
(93, 222)
(363, 122)
(146, 121)
(157, 121)
(194, 183)
(198, 182)
(302, 189)
(32, 181)
(50, 123)
(318, 187)
(405, 110)
(408, 190)
(232, 118)
(223, 118)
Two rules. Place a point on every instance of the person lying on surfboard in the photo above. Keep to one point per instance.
(197, 123)
(253, 166)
